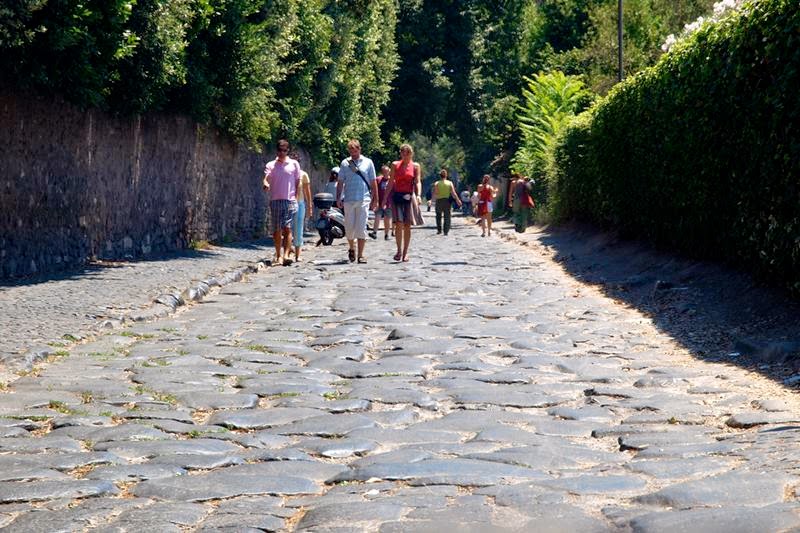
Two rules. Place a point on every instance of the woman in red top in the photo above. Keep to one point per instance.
(486, 194)
(404, 189)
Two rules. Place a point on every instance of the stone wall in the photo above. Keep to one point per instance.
(78, 185)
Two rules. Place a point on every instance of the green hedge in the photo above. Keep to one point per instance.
(702, 151)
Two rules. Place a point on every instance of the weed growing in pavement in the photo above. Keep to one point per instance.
(199, 244)
(86, 397)
(283, 395)
(258, 348)
(335, 395)
(32, 418)
(202, 337)
(103, 356)
(263, 371)
(108, 414)
(33, 372)
(155, 362)
(56, 344)
(134, 335)
(69, 337)
(163, 397)
(61, 407)
(3, 386)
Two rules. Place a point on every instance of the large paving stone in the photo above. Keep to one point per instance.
(393, 366)
(149, 449)
(443, 472)
(40, 445)
(328, 425)
(733, 519)
(240, 523)
(27, 491)
(223, 484)
(365, 514)
(736, 488)
(689, 467)
(403, 437)
(549, 457)
(136, 472)
(127, 432)
(557, 518)
(175, 415)
(160, 514)
(29, 473)
(597, 484)
(339, 448)
(521, 496)
(260, 418)
(58, 461)
(501, 396)
(760, 418)
(641, 441)
(198, 462)
(213, 401)
(588, 413)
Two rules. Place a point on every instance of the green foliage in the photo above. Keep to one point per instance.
(550, 102)
(317, 71)
(70, 46)
(646, 23)
(157, 62)
(701, 152)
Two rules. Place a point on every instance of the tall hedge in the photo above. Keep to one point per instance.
(702, 151)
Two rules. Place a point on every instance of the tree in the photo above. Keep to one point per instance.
(551, 101)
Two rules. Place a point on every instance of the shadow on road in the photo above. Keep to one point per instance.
(715, 311)
(94, 268)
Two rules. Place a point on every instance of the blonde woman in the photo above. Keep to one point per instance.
(403, 190)
(486, 196)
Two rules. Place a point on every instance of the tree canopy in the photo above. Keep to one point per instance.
(320, 71)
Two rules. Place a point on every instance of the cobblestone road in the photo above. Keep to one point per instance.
(476, 388)
(35, 312)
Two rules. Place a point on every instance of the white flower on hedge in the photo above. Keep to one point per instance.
(721, 9)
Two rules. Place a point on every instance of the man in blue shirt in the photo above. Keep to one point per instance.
(356, 193)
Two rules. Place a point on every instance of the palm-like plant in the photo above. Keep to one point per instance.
(550, 101)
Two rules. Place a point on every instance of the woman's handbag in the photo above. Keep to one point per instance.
(416, 213)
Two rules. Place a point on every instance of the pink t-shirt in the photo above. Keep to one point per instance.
(283, 178)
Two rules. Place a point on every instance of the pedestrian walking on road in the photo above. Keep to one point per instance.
(466, 202)
(486, 196)
(357, 193)
(281, 180)
(443, 192)
(381, 212)
(303, 209)
(405, 189)
(333, 183)
(520, 201)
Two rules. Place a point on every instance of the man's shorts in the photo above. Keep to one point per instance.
(281, 214)
(381, 212)
(355, 220)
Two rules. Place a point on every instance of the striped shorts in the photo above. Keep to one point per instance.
(281, 214)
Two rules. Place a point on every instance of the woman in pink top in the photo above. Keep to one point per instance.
(281, 179)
